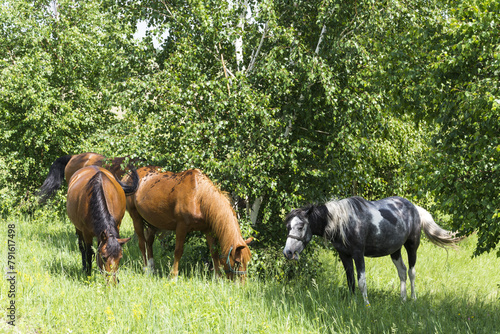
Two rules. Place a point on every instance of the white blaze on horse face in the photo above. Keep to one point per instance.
(294, 226)
(376, 219)
(297, 229)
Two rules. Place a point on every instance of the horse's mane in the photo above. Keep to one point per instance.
(220, 216)
(338, 212)
(102, 220)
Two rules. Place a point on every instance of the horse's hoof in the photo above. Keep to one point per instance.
(148, 271)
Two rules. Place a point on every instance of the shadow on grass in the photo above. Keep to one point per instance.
(67, 259)
(59, 240)
(330, 307)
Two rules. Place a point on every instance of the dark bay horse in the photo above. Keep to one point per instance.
(96, 205)
(358, 228)
(184, 202)
(64, 167)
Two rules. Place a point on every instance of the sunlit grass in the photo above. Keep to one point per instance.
(456, 293)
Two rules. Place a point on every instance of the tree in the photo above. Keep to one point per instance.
(298, 122)
(453, 50)
(283, 103)
(58, 75)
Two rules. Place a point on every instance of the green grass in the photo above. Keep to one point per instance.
(456, 293)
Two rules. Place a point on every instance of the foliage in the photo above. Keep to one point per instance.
(297, 122)
(291, 102)
(468, 168)
(57, 81)
(453, 84)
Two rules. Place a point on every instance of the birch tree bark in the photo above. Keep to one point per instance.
(238, 43)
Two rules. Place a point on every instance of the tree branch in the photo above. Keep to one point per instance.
(225, 71)
(254, 55)
(323, 30)
(254, 213)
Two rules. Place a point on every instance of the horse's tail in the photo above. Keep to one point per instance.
(129, 189)
(434, 232)
(54, 179)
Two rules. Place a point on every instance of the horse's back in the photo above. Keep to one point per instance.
(93, 159)
(385, 225)
(80, 161)
(164, 198)
(398, 210)
(114, 195)
(77, 203)
(78, 197)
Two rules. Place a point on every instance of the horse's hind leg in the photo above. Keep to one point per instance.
(139, 230)
(398, 262)
(150, 233)
(412, 260)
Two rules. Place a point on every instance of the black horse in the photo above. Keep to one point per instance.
(358, 228)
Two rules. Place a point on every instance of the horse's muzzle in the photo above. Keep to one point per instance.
(290, 255)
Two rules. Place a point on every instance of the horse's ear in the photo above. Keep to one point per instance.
(237, 253)
(309, 210)
(103, 237)
(249, 241)
(123, 241)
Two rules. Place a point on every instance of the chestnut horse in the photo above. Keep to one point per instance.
(96, 205)
(184, 202)
(64, 167)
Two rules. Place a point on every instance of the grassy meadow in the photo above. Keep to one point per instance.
(456, 293)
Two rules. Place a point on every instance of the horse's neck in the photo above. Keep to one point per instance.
(318, 228)
(338, 218)
(229, 236)
(108, 227)
(219, 215)
(319, 220)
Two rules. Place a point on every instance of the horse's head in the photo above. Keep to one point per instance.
(109, 255)
(299, 232)
(237, 260)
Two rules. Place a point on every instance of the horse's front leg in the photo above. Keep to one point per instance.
(213, 252)
(359, 260)
(90, 256)
(89, 252)
(349, 270)
(180, 237)
(81, 246)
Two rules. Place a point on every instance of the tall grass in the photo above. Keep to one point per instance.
(456, 293)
